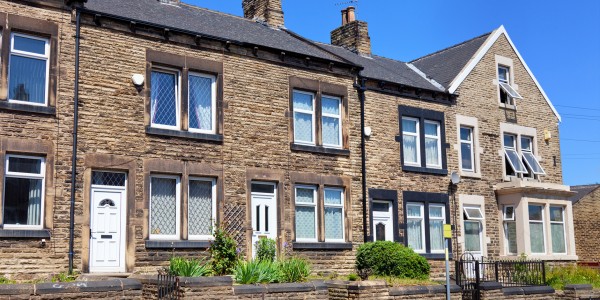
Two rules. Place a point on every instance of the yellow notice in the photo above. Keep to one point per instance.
(447, 231)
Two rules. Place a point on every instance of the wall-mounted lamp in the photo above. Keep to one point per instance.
(455, 178)
(138, 79)
(368, 131)
(547, 135)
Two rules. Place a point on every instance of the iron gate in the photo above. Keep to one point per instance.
(471, 272)
(168, 287)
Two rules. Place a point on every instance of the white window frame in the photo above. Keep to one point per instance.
(213, 103)
(421, 218)
(511, 101)
(514, 148)
(45, 57)
(418, 141)
(543, 222)
(314, 205)
(530, 151)
(177, 235)
(439, 144)
(472, 143)
(177, 74)
(339, 117)
(312, 113)
(471, 218)
(563, 226)
(41, 175)
(505, 221)
(325, 206)
(213, 221)
(442, 218)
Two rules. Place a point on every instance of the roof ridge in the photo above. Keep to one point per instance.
(450, 47)
(315, 44)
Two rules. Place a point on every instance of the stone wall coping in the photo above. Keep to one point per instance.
(357, 285)
(528, 290)
(491, 285)
(71, 287)
(419, 290)
(579, 287)
(279, 288)
(208, 281)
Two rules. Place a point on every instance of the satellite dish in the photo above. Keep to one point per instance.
(455, 178)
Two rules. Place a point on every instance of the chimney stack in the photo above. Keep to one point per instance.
(268, 11)
(352, 35)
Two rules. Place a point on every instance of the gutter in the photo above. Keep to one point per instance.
(361, 88)
(74, 155)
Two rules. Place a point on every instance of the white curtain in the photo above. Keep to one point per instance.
(431, 151)
(409, 145)
(200, 94)
(414, 231)
(472, 237)
(558, 238)
(35, 202)
(536, 233)
(436, 234)
(511, 236)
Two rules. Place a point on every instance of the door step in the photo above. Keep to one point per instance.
(101, 276)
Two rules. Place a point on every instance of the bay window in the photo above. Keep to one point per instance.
(510, 230)
(537, 231)
(557, 229)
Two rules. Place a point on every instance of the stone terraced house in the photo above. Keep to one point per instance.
(586, 205)
(184, 117)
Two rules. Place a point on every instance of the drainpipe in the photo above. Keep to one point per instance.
(361, 88)
(74, 156)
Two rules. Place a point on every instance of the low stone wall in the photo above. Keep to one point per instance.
(379, 290)
(107, 289)
(579, 292)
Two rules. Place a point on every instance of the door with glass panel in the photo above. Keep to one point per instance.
(107, 222)
(473, 230)
(264, 212)
(383, 228)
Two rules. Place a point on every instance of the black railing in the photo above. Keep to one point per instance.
(471, 273)
(168, 287)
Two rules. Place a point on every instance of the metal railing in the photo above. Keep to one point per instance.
(168, 287)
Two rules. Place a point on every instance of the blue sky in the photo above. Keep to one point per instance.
(560, 41)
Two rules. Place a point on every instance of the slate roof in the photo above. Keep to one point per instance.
(444, 65)
(208, 23)
(582, 191)
(381, 68)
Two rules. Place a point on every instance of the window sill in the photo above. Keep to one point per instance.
(185, 134)
(320, 149)
(470, 174)
(25, 233)
(36, 109)
(436, 256)
(177, 244)
(425, 170)
(322, 246)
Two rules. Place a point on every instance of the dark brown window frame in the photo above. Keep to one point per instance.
(321, 182)
(35, 27)
(185, 65)
(319, 88)
(185, 170)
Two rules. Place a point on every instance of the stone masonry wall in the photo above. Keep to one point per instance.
(587, 231)
(256, 135)
(26, 258)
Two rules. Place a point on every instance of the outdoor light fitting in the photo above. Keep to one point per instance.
(455, 178)
(138, 79)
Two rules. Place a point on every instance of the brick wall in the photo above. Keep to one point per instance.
(587, 231)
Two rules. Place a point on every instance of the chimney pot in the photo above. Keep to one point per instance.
(351, 14)
(344, 17)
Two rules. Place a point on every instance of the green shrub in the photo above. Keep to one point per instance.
(266, 249)
(64, 277)
(180, 266)
(391, 259)
(294, 269)
(558, 277)
(256, 271)
(4, 280)
(353, 277)
(224, 253)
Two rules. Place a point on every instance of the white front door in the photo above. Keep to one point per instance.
(383, 225)
(264, 212)
(107, 230)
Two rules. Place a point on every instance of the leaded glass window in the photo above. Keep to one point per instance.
(304, 117)
(202, 102)
(164, 99)
(201, 208)
(164, 207)
(334, 214)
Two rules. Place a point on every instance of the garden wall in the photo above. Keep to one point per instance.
(108, 289)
